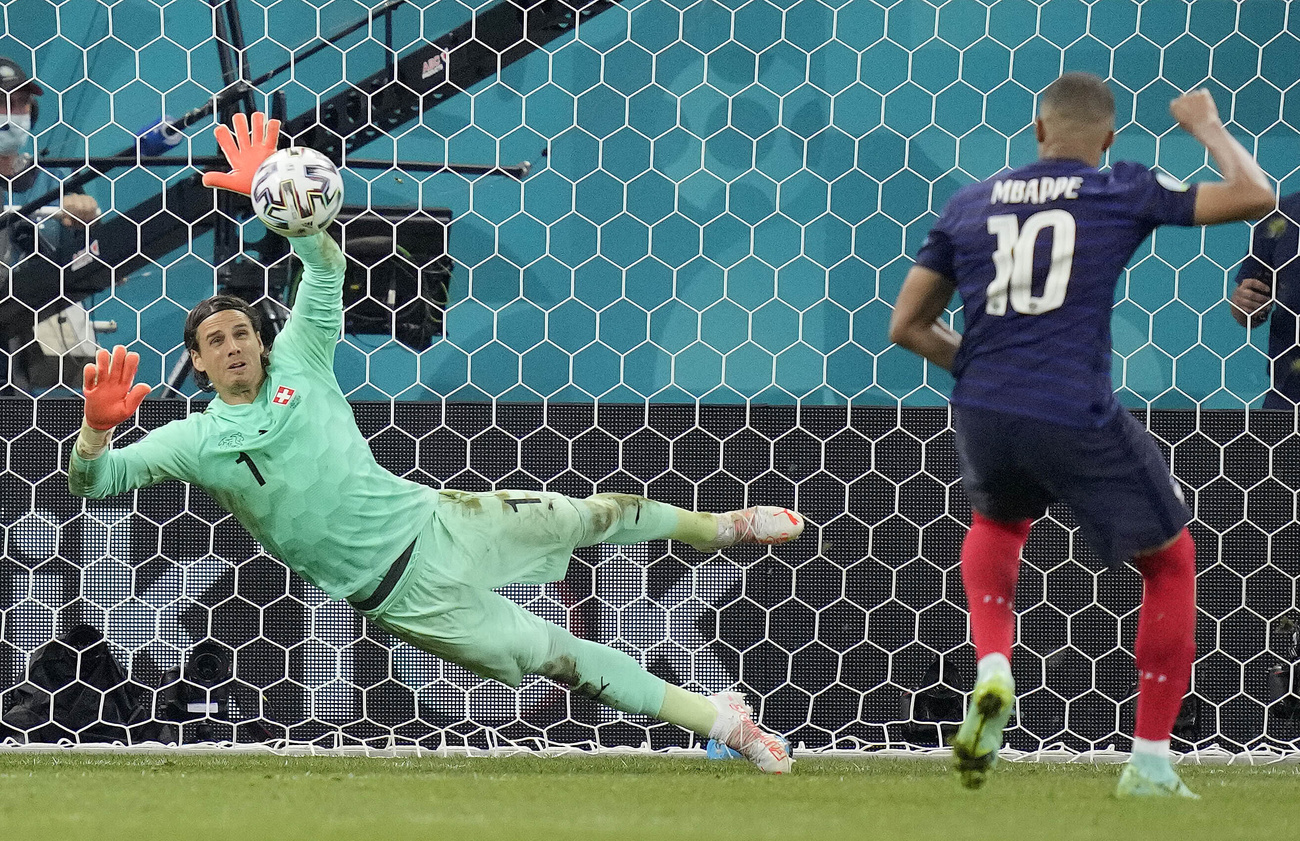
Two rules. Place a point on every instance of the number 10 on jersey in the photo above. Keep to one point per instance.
(1013, 262)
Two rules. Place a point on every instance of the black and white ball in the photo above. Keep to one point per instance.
(297, 192)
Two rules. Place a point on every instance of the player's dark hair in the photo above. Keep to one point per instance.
(1082, 97)
(209, 307)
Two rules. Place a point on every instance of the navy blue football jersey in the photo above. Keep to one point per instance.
(1036, 254)
(1275, 259)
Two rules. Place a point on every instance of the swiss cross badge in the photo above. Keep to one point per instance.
(283, 395)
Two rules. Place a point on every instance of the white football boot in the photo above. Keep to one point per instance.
(736, 729)
(763, 524)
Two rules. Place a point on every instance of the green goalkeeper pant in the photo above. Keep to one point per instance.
(444, 603)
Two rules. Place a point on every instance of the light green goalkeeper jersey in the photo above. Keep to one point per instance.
(292, 465)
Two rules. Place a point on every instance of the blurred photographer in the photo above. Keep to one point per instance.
(1268, 285)
(35, 354)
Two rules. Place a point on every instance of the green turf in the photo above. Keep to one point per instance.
(241, 798)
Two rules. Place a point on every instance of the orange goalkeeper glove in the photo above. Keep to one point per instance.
(110, 397)
(244, 152)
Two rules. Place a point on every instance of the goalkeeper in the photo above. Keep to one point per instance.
(279, 448)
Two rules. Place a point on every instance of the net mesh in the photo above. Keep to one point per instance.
(686, 295)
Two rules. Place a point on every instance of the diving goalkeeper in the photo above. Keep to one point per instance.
(279, 448)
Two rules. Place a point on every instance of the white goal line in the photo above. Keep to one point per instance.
(1106, 756)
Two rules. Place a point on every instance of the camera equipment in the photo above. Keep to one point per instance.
(398, 273)
(933, 712)
(1283, 682)
(76, 690)
(196, 696)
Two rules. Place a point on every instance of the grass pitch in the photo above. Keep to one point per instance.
(242, 798)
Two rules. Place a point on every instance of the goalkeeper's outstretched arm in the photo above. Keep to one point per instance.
(111, 399)
(316, 325)
(320, 292)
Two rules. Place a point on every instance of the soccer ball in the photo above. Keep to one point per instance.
(297, 192)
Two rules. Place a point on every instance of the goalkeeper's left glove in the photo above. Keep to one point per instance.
(244, 152)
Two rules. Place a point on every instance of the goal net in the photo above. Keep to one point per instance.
(683, 293)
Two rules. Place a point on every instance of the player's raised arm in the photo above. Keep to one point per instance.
(915, 323)
(296, 192)
(320, 292)
(313, 331)
(1245, 191)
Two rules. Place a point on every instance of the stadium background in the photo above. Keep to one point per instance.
(728, 202)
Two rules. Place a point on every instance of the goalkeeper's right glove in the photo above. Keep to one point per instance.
(244, 152)
(110, 397)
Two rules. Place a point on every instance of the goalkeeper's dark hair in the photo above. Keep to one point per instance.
(209, 307)
(1080, 97)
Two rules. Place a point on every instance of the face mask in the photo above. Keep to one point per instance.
(15, 131)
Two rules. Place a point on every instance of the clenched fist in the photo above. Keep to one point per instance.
(1195, 111)
(78, 209)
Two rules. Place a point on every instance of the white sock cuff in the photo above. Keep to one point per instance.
(990, 663)
(1150, 747)
(723, 724)
(726, 534)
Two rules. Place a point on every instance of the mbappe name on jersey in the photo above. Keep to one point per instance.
(1035, 190)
